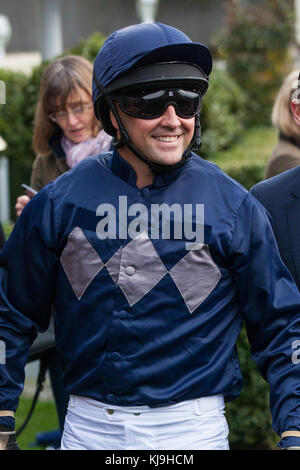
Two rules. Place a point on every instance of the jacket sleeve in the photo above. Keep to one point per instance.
(28, 264)
(270, 302)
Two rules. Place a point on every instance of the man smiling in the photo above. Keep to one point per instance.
(163, 139)
(146, 326)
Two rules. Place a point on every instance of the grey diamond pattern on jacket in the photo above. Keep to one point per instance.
(80, 261)
(141, 268)
(195, 275)
(137, 268)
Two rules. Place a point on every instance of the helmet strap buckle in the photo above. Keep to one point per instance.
(197, 137)
(122, 140)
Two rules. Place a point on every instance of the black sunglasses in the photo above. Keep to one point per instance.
(150, 105)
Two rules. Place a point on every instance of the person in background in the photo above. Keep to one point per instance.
(281, 197)
(147, 316)
(65, 128)
(286, 154)
(66, 131)
(2, 237)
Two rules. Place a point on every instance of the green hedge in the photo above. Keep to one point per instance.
(255, 44)
(88, 48)
(247, 173)
(246, 159)
(223, 113)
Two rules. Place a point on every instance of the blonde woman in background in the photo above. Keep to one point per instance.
(286, 154)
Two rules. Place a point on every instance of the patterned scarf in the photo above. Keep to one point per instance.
(93, 146)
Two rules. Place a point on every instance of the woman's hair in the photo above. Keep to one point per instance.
(282, 117)
(59, 79)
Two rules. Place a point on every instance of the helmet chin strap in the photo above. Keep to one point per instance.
(124, 139)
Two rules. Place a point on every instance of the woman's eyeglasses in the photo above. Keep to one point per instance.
(61, 116)
(150, 105)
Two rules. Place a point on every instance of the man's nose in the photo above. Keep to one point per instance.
(169, 118)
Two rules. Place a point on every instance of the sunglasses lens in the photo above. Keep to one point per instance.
(151, 105)
(144, 106)
(189, 103)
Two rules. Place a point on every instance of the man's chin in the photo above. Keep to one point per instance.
(167, 161)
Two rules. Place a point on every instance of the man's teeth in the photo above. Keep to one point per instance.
(167, 139)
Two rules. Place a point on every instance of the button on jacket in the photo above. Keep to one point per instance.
(142, 320)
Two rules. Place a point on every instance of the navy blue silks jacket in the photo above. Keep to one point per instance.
(143, 320)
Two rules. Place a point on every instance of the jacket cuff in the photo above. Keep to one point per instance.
(7, 422)
(7, 419)
(289, 440)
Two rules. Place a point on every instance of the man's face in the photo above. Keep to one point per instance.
(162, 140)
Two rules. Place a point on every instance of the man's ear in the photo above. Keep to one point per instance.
(295, 108)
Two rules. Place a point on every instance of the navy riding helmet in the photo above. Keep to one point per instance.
(147, 54)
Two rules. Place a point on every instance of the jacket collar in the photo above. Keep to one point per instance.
(125, 171)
